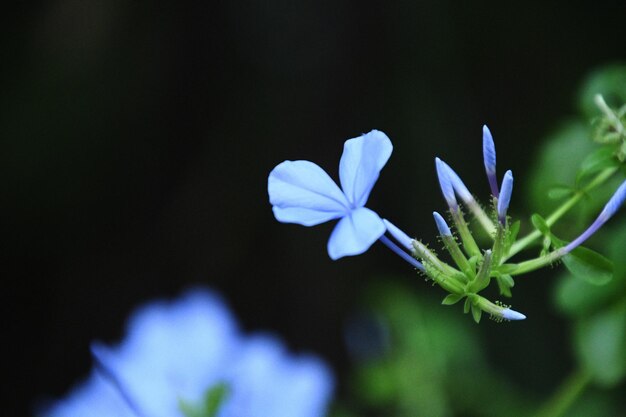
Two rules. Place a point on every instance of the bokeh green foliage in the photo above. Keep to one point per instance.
(570, 156)
(434, 364)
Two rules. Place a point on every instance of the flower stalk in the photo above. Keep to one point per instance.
(453, 248)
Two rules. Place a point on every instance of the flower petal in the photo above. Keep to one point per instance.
(446, 184)
(489, 158)
(505, 196)
(95, 397)
(171, 354)
(355, 233)
(360, 165)
(302, 192)
(268, 381)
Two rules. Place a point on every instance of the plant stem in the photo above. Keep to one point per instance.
(565, 396)
(533, 264)
(564, 208)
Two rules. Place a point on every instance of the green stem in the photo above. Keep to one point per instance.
(482, 218)
(441, 271)
(469, 244)
(533, 264)
(458, 256)
(563, 399)
(564, 208)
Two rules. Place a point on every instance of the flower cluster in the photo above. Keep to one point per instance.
(186, 358)
(301, 192)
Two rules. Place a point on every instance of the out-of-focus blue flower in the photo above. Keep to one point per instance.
(301, 192)
(177, 352)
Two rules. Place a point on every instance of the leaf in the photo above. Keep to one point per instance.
(213, 399)
(575, 296)
(511, 235)
(540, 224)
(466, 306)
(601, 344)
(559, 192)
(589, 265)
(545, 246)
(503, 286)
(505, 283)
(507, 280)
(595, 162)
(476, 313)
(570, 142)
(452, 299)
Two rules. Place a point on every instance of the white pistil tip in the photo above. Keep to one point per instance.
(509, 314)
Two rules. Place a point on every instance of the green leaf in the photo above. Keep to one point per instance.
(540, 224)
(507, 280)
(452, 299)
(576, 297)
(505, 290)
(601, 344)
(476, 313)
(467, 305)
(559, 192)
(596, 162)
(621, 155)
(511, 235)
(589, 265)
(569, 143)
(213, 399)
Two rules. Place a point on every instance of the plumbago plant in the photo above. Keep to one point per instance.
(301, 192)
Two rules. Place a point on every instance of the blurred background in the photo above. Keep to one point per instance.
(137, 138)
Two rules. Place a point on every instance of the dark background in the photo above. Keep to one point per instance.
(137, 138)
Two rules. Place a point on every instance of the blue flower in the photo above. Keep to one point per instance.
(611, 207)
(301, 192)
(451, 183)
(505, 197)
(175, 353)
(442, 226)
(489, 158)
